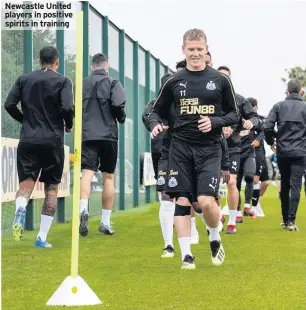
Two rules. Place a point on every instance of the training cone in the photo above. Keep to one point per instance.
(74, 291)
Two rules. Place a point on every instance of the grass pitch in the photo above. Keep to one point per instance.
(265, 267)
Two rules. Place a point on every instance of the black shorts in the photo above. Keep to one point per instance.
(33, 159)
(234, 162)
(155, 159)
(162, 171)
(100, 154)
(193, 169)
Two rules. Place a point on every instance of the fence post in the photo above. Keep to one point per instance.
(28, 50)
(136, 155)
(148, 96)
(105, 35)
(85, 8)
(28, 67)
(28, 45)
(60, 45)
(121, 126)
(29, 218)
(157, 88)
(61, 210)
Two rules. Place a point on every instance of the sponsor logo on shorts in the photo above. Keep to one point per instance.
(161, 181)
(213, 187)
(172, 182)
(213, 184)
(234, 165)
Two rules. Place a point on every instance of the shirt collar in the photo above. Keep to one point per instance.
(294, 96)
(99, 72)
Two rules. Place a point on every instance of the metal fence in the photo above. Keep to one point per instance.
(138, 71)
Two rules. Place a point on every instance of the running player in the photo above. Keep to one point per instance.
(47, 112)
(261, 173)
(234, 141)
(204, 102)
(290, 144)
(103, 108)
(194, 232)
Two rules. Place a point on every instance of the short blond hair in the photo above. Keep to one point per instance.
(194, 35)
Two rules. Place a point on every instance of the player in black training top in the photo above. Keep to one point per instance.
(262, 173)
(47, 111)
(290, 117)
(167, 205)
(103, 108)
(234, 144)
(204, 102)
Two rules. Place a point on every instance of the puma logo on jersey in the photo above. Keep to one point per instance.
(184, 85)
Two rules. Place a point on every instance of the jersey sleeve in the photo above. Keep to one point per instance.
(261, 135)
(12, 101)
(248, 112)
(225, 161)
(118, 101)
(229, 105)
(270, 124)
(146, 113)
(161, 105)
(67, 103)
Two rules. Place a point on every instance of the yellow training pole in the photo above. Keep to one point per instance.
(77, 145)
(74, 291)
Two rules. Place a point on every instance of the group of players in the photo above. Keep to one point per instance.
(205, 131)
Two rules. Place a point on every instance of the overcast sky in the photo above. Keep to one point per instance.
(258, 40)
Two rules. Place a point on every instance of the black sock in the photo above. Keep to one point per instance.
(255, 197)
(248, 191)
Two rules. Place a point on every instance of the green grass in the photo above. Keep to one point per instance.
(8, 209)
(265, 267)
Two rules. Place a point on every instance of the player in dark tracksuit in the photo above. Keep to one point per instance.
(261, 173)
(290, 117)
(47, 112)
(103, 108)
(234, 138)
(247, 170)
